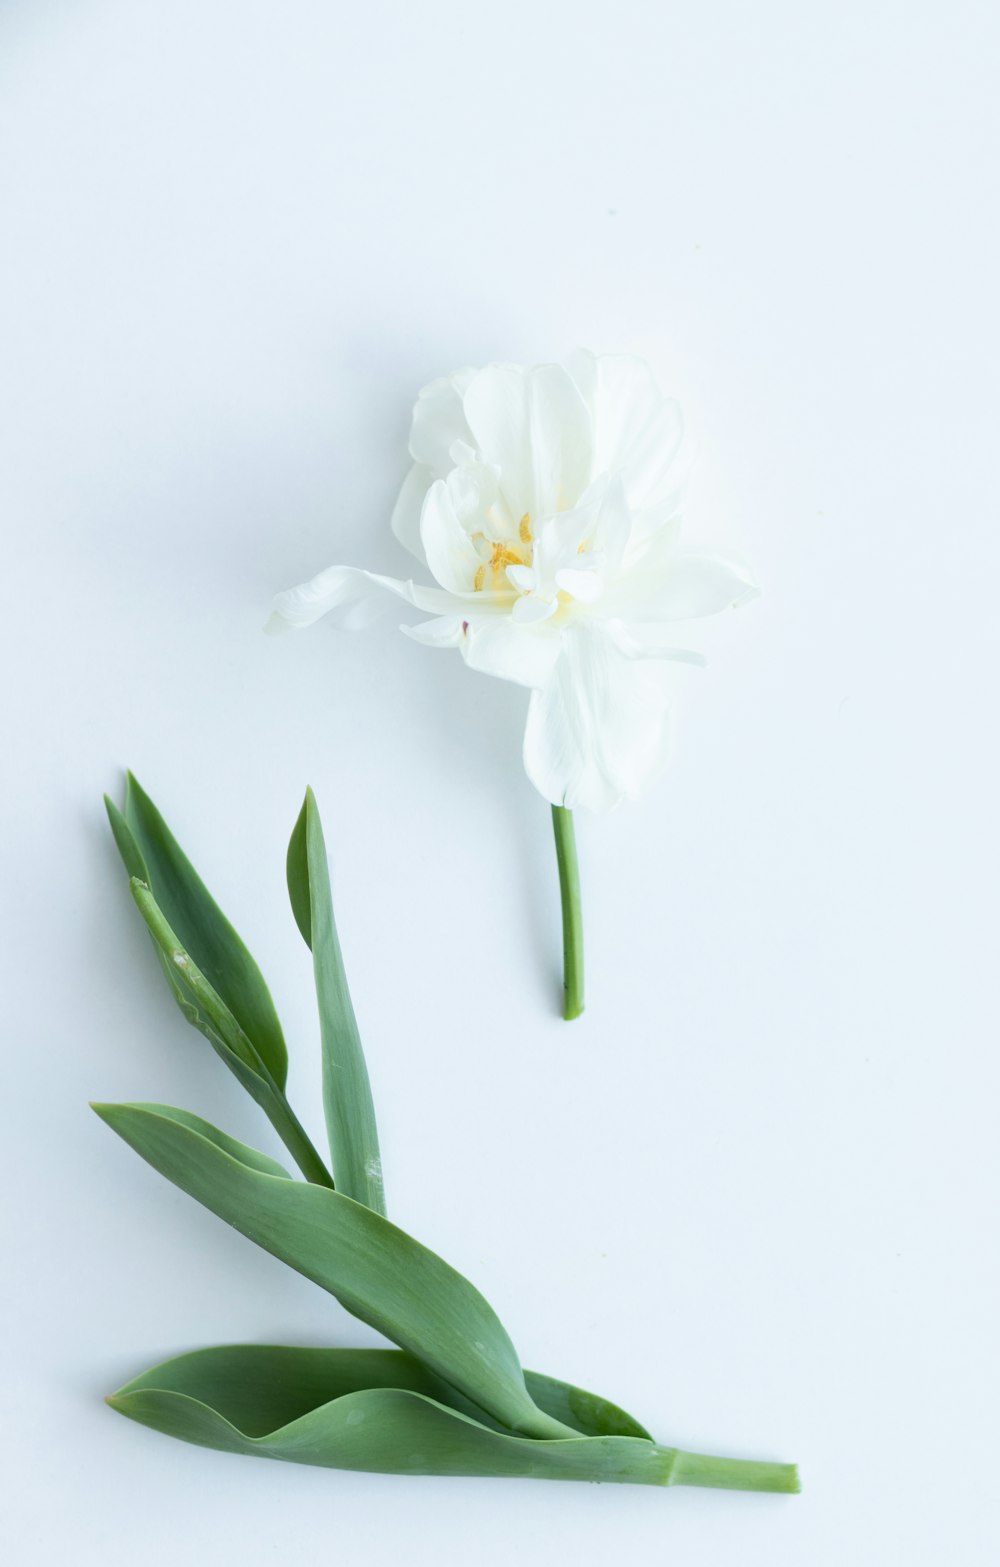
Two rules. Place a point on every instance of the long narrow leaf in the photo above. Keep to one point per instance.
(377, 1271)
(151, 852)
(347, 1099)
(216, 1019)
(138, 870)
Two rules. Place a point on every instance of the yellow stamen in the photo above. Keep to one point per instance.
(503, 556)
(524, 529)
(479, 580)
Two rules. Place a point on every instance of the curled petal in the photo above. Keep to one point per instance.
(346, 587)
(445, 631)
(524, 578)
(531, 609)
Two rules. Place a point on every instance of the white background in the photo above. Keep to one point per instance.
(753, 1194)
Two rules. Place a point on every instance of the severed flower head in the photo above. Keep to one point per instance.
(546, 504)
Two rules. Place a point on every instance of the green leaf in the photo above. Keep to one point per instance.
(347, 1098)
(287, 1403)
(259, 1387)
(393, 1431)
(381, 1411)
(138, 871)
(251, 1157)
(585, 1412)
(152, 854)
(215, 1019)
(226, 1036)
(378, 1272)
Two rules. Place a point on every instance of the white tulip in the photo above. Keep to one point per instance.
(546, 504)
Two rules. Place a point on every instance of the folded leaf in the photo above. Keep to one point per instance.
(392, 1431)
(259, 1387)
(347, 1099)
(263, 1401)
(227, 1037)
(377, 1271)
(152, 854)
(215, 1019)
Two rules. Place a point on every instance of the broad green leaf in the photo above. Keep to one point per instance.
(347, 1099)
(337, 1409)
(152, 853)
(259, 1387)
(377, 1271)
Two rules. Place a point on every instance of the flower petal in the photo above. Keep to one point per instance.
(531, 609)
(698, 585)
(533, 425)
(597, 731)
(524, 578)
(344, 588)
(445, 631)
(647, 642)
(586, 586)
(637, 430)
(439, 421)
(451, 554)
(406, 513)
(523, 654)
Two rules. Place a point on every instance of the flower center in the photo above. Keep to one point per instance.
(501, 554)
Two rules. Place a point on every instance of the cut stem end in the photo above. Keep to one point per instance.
(733, 1474)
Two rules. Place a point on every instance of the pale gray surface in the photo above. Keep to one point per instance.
(753, 1194)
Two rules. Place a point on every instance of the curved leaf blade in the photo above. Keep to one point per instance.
(201, 927)
(397, 1431)
(378, 1272)
(381, 1411)
(251, 1157)
(258, 1387)
(347, 1097)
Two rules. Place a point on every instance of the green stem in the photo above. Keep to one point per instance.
(732, 1474)
(572, 914)
(295, 1138)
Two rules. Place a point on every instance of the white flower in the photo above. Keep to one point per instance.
(545, 502)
